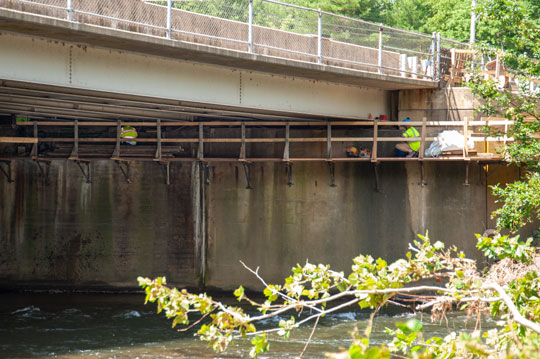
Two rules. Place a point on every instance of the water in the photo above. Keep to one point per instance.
(84, 326)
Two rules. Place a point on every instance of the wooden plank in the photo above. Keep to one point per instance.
(496, 121)
(18, 140)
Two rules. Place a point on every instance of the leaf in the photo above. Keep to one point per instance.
(239, 293)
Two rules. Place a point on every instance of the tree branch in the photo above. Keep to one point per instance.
(512, 307)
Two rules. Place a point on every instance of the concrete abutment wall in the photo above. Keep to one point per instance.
(106, 233)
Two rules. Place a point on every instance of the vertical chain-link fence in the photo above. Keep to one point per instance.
(285, 29)
(267, 27)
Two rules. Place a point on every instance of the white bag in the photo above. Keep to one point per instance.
(449, 140)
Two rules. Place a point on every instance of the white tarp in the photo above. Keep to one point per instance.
(447, 141)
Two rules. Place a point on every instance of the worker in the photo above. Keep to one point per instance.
(128, 132)
(410, 149)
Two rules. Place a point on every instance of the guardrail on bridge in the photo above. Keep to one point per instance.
(266, 27)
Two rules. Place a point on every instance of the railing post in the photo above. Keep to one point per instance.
(70, 9)
(380, 49)
(438, 56)
(432, 54)
(169, 22)
(250, 29)
(319, 37)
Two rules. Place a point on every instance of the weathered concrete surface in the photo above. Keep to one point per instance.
(448, 104)
(106, 233)
(216, 52)
(275, 226)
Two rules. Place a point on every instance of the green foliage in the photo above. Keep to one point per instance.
(515, 28)
(372, 283)
(500, 247)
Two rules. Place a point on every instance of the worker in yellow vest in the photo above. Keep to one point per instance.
(409, 149)
(129, 132)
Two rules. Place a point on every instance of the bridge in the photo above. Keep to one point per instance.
(225, 100)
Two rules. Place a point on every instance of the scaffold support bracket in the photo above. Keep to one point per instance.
(45, 170)
(125, 169)
(289, 173)
(247, 172)
(84, 166)
(376, 170)
(331, 166)
(6, 171)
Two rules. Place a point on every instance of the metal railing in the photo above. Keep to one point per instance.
(267, 27)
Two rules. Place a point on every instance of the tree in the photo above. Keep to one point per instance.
(521, 199)
(374, 284)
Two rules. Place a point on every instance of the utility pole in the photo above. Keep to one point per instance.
(473, 23)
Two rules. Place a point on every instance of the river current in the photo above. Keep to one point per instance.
(84, 326)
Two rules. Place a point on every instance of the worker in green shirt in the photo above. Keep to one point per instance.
(129, 133)
(409, 148)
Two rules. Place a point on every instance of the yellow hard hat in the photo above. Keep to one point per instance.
(352, 151)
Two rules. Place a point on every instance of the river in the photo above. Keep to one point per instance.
(120, 326)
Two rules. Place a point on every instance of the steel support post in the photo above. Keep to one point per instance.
(158, 139)
(116, 153)
(250, 25)
(380, 50)
(34, 152)
(169, 23)
(319, 37)
(438, 56)
(286, 149)
(70, 10)
(329, 140)
(243, 143)
(432, 54)
(75, 152)
(200, 150)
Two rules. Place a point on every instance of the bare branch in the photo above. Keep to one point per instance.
(512, 307)
(310, 336)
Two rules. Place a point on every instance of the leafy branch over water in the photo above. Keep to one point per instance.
(373, 284)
